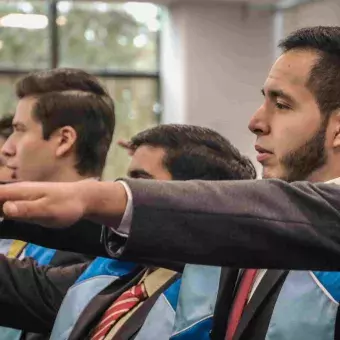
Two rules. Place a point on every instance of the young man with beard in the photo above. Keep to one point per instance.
(260, 224)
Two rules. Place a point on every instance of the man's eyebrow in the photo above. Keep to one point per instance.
(277, 94)
(139, 173)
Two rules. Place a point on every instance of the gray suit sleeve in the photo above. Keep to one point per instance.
(256, 224)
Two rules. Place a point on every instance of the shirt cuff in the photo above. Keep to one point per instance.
(115, 238)
(125, 225)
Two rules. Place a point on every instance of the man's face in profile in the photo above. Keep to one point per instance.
(290, 129)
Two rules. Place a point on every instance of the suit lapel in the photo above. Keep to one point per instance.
(135, 321)
(267, 284)
(228, 282)
(98, 305)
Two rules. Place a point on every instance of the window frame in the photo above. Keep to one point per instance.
(54, 53)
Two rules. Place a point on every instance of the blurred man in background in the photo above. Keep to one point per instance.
(59, 115)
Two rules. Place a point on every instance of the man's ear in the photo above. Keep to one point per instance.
(66, 139)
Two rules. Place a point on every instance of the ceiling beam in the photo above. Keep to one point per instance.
(276, 5)
(281, 5)
(286, 4)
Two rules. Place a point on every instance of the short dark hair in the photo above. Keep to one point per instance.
(6, 127)
(72, 97)
(194, 152)
(324, 79)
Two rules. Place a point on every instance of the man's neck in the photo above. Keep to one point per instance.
(68, 175)
(323, 175)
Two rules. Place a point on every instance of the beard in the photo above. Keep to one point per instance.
(300, 163)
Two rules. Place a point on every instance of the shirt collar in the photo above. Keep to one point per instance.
(334, 181)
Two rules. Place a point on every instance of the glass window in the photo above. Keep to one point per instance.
(7, 95)
(23, 34)
(136, 103)
(99, 37)
(108, 36)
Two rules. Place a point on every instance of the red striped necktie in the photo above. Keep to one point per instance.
(126, 302)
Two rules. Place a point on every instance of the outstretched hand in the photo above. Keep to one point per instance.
(63, 204)
(48, 204)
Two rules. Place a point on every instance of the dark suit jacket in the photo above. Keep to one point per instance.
(35, 279)
(257, 314)
(99, 304)
(263, 224)
(31, 295)
(40, 280)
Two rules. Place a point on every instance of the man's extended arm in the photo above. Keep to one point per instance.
(267, 223)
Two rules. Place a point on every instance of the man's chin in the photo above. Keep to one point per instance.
(270, 173)
(267, 173)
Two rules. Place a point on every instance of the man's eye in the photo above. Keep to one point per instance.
(282, 106)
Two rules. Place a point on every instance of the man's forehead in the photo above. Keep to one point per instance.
(146, 157)
(24, 109)
(293, 67)
(147, 154)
